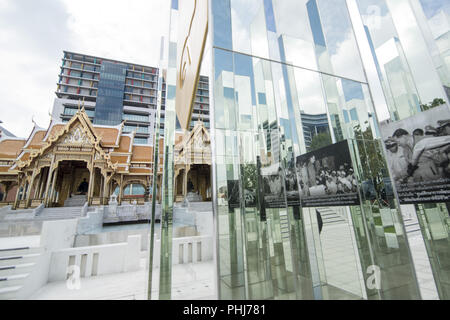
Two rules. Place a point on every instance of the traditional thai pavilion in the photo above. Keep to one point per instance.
(80, 159)
(193, 165)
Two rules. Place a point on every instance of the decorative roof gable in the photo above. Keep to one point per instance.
(79, 131)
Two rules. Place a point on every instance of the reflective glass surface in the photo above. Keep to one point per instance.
(288, 80)
(109, 106)
(410, 45)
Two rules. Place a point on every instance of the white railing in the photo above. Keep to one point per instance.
(96, 260)
(187, 250)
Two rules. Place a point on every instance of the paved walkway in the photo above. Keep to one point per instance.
(422, 265)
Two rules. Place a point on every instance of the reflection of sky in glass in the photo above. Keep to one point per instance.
(222, 62)
(222, 23)
(352, 90)
(270, 18)
(335, 22)
(244, 67)
(314, 20)
(432, 7)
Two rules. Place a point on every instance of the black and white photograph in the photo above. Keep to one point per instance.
(418, 156)
(327, 178)
(292, 192)
(273, 185)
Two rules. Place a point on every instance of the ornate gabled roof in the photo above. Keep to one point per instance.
(142, 153)
(110, 144)
(110, 136)
(56, 131)
(11, 147)
(195, 146)
(199, 129)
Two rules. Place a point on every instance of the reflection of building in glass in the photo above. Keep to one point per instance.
(286, 72)
(410, 44)
(313, 124)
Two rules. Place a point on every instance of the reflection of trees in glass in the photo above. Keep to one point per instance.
(433, 104)
(372, 160)
(249, 176)
(320, 140)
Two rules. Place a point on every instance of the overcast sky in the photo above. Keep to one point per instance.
(34, 33)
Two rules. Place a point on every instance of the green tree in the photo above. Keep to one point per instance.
(320, 140)
(433, 104)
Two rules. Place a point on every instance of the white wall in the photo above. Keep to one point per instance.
(112, 258)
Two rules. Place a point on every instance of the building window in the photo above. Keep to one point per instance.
(135, 117)
(140, 140)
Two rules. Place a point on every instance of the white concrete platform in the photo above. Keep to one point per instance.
(189, 282)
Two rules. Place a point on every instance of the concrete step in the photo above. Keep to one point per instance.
(60, 213)
(15, 259)
(10, 270)
(14, 280)
(18, 251)
(75, 201)
(9, 292)
(330, 217)
(412, 227)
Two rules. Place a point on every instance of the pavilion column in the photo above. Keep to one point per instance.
(43, 183)
(16, 200)
(41, 189)
(38, 187)
(91, 185)
(25, 190)
(105, 194)
(185, 182)
(121, 189)
(53, 186)
(101, 189)
(71, 184)
(30, 188)
(175, 186)
(49, 178)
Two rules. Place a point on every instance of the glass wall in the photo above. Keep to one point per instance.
(287, 81)
(410, 45)
(109, 106)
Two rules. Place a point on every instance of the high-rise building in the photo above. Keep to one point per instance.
(314, 124)
(114, 91)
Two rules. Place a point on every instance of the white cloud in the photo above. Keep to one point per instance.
(33, 35)
(122, 30)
